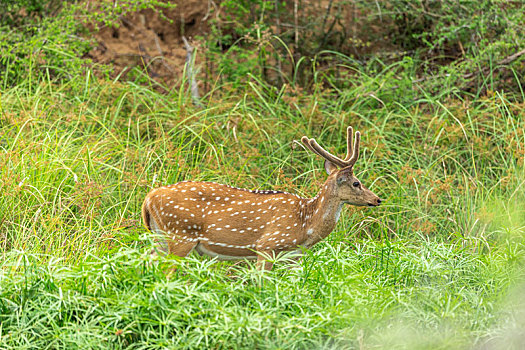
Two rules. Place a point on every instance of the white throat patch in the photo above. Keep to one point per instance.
(338, 212)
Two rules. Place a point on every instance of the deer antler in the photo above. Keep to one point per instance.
(352, 153)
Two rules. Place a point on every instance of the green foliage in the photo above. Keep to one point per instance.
(473, 36)
(109, 12)
(439, 266)
(452, 43)
(437, 261)
(394, 295)
(39, 46)
(46, 40)
(18, 12)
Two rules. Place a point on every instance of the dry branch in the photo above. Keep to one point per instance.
(190, 60)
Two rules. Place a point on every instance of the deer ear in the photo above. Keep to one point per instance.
(329, 167)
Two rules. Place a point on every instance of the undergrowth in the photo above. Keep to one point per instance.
(435, 267)
(438, 266)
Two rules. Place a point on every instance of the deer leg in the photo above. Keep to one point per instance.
(161, 243)
(263, 264)
(296, 260)
(181, 247)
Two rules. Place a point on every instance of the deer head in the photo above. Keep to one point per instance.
(342, 182)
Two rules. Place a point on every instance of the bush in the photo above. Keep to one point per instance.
(450, 42)
(46, 39)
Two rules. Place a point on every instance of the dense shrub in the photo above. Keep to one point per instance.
(46, 39)
(469, 39)
(453, 43)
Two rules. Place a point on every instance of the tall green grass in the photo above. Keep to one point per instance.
(435, 267)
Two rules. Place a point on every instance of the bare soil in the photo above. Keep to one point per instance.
(152, 43)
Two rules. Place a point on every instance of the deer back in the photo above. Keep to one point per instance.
(226, 220)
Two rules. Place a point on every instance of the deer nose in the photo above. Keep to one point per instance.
(379, 201)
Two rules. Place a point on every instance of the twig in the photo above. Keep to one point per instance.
(328, 8)
(503, 62)
(278, 33)
(296, 25)
(190, 59)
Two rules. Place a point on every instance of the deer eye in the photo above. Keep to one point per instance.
(356, 184)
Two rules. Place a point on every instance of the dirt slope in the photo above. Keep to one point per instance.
(145, 39)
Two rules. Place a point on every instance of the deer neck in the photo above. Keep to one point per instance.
(322, 213)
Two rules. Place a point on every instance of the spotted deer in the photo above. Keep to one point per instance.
(233, 223)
